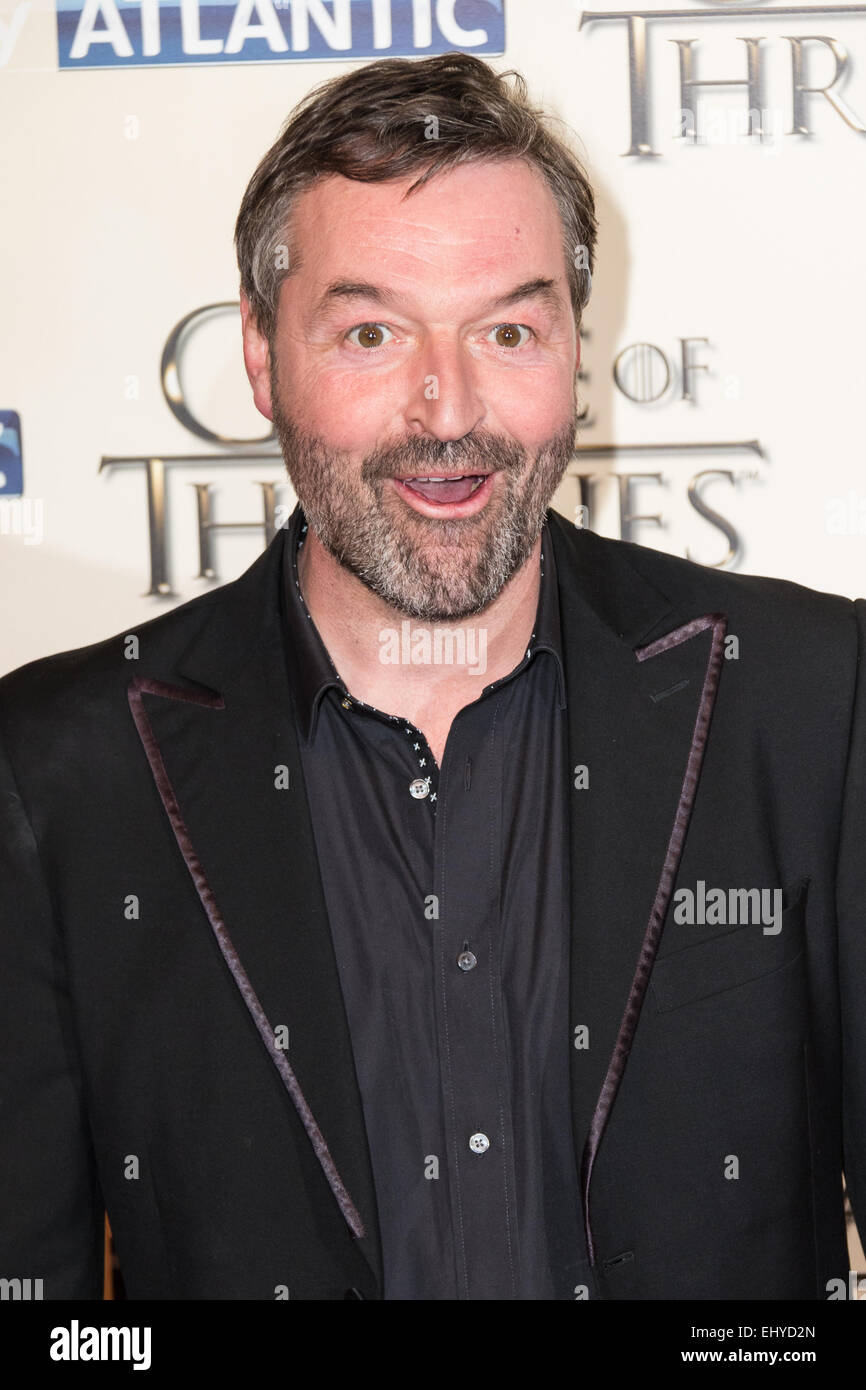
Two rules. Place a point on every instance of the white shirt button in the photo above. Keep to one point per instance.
(479, 1143)
(467, 960)
(420, 787)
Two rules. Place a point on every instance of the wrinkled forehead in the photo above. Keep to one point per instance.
(467, 232)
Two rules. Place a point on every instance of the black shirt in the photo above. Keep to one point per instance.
(447, 892)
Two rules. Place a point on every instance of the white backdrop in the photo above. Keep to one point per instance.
(121, 186)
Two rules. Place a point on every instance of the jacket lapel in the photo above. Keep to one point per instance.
(641, 682)
(223, 752)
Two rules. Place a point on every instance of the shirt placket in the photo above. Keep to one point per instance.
(469, 1008)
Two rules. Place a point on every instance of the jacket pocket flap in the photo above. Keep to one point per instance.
(733, 958)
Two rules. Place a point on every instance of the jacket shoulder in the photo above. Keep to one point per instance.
(41, 687)
(693, 586)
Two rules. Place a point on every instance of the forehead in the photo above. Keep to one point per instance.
(480, 222)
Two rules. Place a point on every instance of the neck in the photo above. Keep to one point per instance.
(401, 665)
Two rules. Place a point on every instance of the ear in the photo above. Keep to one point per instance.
(257, 360)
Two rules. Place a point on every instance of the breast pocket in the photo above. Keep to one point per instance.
(733, 958)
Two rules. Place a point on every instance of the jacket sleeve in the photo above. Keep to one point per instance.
(851, 919)
(51, 1213)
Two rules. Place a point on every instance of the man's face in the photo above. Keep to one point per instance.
(414, 341)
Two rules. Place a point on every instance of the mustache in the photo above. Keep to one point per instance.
(482, 452)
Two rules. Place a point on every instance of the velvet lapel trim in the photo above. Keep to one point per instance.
(658, 912)
(142, 685)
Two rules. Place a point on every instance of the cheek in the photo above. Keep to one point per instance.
(351, 409)
(535, 410)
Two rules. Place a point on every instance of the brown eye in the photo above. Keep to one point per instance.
(508, 335)
(370, 335)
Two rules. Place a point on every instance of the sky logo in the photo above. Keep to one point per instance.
(11, 463)
(172, 33)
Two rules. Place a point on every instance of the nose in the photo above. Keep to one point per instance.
(444, 398)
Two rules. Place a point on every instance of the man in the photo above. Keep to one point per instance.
(335, 969)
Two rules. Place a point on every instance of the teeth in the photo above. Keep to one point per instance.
(455, 479)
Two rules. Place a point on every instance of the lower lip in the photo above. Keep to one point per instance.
(447, 511)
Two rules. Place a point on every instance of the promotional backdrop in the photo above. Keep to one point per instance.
(723, 362)
(722, 375)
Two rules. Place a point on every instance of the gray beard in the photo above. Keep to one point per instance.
(433, 571)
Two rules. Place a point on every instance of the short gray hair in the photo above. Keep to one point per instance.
(372, 124)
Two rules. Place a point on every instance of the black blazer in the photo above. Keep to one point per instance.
(163, 920)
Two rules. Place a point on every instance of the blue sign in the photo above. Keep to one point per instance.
(178, 33)
(11, 463)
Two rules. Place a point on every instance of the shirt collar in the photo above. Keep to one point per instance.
(311, 670)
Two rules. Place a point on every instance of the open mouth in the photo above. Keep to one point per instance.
(445, 490)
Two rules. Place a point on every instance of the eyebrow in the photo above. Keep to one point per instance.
(539, 288)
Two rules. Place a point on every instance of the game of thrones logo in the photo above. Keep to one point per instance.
(642, 372)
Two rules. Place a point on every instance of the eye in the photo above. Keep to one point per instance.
(507, 334)
(369, 333)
